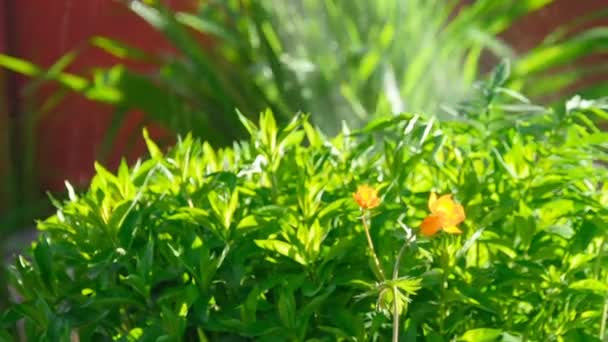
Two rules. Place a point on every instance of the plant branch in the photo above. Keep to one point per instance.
(395, 294)
(395, 314)
(604, 318)
(371, 247)
(598, 273)
(445, 265)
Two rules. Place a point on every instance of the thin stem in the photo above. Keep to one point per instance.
(598, 260)
(395, 315)
(396, 268)
(604, 318)
(395, 294)
(445, 264)
(371, 247)
(598, 270)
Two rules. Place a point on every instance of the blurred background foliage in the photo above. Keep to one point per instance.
(338, 60)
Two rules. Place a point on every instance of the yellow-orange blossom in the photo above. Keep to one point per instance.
(445, 215)
(366, 197)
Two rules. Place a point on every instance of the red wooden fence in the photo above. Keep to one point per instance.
(4, 146)
(69, 137)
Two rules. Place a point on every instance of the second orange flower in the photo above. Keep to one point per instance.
(445, 215)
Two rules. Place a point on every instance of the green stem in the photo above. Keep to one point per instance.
(395, 315)
(395, 294)
(598, 270)
(603, 336)
(598, 259)
(445, 265)
(371, 247)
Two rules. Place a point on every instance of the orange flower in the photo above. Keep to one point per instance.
(366, 197)
(445, 215)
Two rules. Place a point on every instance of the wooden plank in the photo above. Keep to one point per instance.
(4, 116)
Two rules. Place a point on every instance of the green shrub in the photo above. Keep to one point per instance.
(263, 241)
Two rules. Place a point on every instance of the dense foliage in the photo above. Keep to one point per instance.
(264, 241)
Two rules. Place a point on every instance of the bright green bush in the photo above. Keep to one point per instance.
(263, 241)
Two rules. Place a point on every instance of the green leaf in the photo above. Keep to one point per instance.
(249, 125)
(138, 284)
(409, 285)
(333, 208)
(96, 92)
(545, 57)
(501, 74)
(268, 127)
(590, 285)
(481, 335)
(31, 311)
(71, 193)
(287, 308)
(231, 208)
(44, 261)
(118, 49)
(282, 248)
(153, 149)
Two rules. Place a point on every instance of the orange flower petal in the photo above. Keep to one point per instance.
(432, 201)
(443, 205)
(445, 214)
(456, 216)
(460, 212)
(452, 230)
(366, 197)
(430, 225)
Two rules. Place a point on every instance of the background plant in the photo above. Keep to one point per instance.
(263, 240)
(340, 60)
